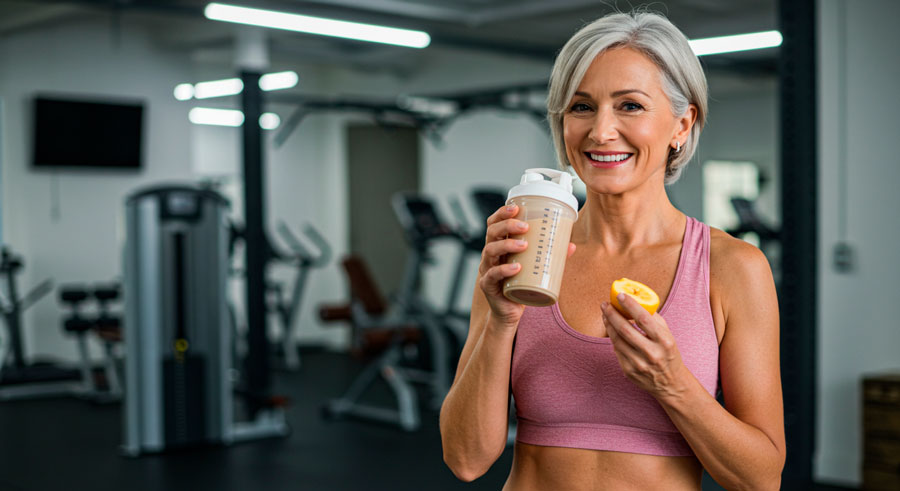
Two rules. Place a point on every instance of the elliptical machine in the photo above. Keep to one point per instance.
(283, 303)
(285, 306)
(396, 328)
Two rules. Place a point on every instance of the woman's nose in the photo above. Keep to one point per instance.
(604, 127)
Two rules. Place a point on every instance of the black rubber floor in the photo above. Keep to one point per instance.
(56, 444)
(68, 444)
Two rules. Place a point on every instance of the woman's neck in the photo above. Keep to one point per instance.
(616, 223)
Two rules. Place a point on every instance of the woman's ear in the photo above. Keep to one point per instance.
(684, 123)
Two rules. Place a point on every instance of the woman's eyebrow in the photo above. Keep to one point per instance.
(617, 93)
(628, 91)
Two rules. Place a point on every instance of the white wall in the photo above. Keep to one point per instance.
(858, 327)
(65, 223)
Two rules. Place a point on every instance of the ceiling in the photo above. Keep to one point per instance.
(526, 28)
(531, 28)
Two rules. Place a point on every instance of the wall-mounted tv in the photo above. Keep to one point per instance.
(87, 133)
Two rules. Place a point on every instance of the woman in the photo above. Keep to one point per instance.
(601, 404)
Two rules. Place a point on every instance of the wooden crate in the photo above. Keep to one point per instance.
(881, 432)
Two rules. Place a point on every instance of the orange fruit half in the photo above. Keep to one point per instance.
(645, 296)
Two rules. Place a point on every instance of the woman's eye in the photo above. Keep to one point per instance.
(579, 107)
(632, 106)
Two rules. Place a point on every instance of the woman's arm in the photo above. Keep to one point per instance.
(474, 415)
(742, 445)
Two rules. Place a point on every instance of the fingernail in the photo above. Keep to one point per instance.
(521, 225)
(511, 208)
(521, 243)
(604, 305)
(620, 297)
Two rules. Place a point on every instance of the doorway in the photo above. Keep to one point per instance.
(381, 161)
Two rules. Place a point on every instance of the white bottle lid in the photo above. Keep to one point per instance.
(534, 183)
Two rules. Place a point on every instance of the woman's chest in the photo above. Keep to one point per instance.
(587, 282)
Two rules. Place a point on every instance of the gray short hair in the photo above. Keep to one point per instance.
(656, 37)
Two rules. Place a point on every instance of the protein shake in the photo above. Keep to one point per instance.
(546, 203)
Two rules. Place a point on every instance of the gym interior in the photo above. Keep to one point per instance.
(192, 300)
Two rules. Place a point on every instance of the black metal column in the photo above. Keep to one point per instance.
(799, 182)
(256, 367)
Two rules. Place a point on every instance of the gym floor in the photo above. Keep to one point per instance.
(64, 443)
(67, 443)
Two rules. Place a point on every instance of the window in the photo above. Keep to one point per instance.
(722, 181)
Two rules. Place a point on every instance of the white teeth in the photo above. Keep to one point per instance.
(610, 158)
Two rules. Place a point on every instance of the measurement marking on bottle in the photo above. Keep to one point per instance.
(549, 227)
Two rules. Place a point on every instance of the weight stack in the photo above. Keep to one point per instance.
(177, 336)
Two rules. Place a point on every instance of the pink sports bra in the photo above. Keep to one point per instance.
(570, 391)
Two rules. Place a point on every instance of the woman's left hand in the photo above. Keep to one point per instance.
(650, 359)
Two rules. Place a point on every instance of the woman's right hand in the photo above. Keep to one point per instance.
(493, 272)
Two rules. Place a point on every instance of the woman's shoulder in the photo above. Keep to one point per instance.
(735, 264)
(729, 253)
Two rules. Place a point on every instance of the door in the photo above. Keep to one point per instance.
(381, 162)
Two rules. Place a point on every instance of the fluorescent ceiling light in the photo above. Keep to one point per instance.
(216, 117)
(739, 42)
(230, 117)
(184, 92)
(278, 80)
(269, 121)
(435, 107)
(218, 88)
(234, 86)
(317, 25)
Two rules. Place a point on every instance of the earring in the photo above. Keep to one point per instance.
(677, 146)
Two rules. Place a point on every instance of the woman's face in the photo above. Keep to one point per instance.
(619, 125)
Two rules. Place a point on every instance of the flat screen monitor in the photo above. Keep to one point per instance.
(71, 133)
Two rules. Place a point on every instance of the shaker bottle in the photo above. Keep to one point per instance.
(546, 203)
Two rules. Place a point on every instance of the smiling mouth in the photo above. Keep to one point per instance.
(608, 159)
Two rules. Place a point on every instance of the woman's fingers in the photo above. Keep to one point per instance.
(503, 213)
(643, 319)
(505, 228)
(619, 327)
(624, 351)
(501, 225)
(505, 246)
(494, 251)
(493, 277)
